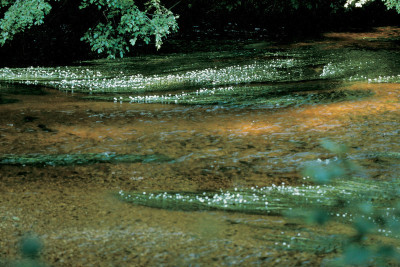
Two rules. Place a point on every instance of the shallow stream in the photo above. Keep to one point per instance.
(253, 115)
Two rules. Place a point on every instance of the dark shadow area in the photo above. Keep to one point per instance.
(57, 41)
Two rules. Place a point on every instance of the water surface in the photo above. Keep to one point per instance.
(240, 118)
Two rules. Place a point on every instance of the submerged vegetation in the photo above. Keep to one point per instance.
(371, 207)
(272, 78)
(214, 69)
(332, 190)
(338, 199)
(78, 159)
(266, 96)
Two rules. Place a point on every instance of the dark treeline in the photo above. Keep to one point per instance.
(57, 41)
(284, 18)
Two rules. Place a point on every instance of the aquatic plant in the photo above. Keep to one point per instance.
(78, 159)
(371, 207)
(267, 96)
(80, 79)
(393, 155)
(162, 73)
(278, 199)
(7, 100)
(363, 203)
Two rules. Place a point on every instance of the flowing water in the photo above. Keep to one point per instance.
(251, 115)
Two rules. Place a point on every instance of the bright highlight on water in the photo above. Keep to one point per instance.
(283, 199)
(223, 73)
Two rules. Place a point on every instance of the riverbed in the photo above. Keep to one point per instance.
(250, 117)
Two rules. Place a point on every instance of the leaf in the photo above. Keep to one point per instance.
(356, 255)
(318, 173)
(366, 207)
(318, 216)
(386, 251)
(333, 147)
(363, 226)
(133, 41)
(31, 247)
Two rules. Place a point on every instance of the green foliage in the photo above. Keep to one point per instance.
(369, 218)
(371, 207)
(120, 27)
(31, 247)
(392, 4)
(5, 2)
(323, 173)
(22, 15)
(125, 24)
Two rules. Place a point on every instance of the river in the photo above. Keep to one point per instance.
(253, 115)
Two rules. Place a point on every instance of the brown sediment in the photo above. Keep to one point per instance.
(74, 213)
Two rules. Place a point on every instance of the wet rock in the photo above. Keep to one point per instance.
(29, 118)
(45, 129)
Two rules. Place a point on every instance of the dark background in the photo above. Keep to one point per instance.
(57, 41)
